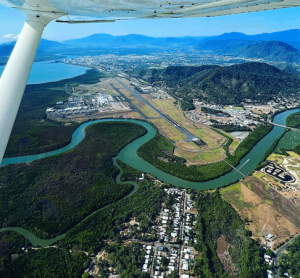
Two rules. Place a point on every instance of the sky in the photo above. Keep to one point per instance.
(11, 23)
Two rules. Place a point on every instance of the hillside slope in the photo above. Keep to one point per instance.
(222, 85)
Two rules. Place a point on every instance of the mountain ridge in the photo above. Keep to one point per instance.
(234, 84)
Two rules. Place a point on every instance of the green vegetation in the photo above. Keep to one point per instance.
(126, 260)
(296, 149)
(153, 149)
(110, 222)
(234, 195)
(213, 111)
(225, 84)
(288, 142)
(293, 120)
(49, 196)
(231, 127)
(290, 262)
(31, 132)
(10, 243)
(269, 151)
(47, 262)
(128, 173)
(185, 105)
(216, 218)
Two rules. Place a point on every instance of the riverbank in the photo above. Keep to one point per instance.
(129, 156)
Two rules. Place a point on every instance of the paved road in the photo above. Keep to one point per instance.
(189, 136)
(278, 252)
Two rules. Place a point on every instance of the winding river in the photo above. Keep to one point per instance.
(129, 156)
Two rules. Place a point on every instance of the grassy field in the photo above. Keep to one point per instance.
(233, 194)
(213, 155)
(235, 107)
(169, 130)
(192, 158)
(147, 110)
(234, 143)
(277, 158)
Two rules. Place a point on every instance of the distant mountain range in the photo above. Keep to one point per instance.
(45, 45)
(132, 40)
(291, 37)
(225, 85)
(279, 46)
(268, 50)
(48, 50)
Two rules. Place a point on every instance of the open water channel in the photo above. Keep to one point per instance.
(129, 156)
(49, 71)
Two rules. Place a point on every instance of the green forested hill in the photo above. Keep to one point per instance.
(223, 85)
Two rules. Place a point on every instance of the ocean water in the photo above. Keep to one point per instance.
(47, 71)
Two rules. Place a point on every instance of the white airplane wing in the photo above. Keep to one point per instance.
(141, 9)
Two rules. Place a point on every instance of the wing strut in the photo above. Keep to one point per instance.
(17, 70)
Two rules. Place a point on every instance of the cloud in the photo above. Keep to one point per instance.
(11, 37)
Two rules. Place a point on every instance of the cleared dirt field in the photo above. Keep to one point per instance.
(263, 217)
(223, 254)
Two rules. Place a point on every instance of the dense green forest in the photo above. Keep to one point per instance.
(32, 133)
(186, 105)
(159, 146)
(109, 223)
(231, 127)
(290, 262)
(128, 173)
(216, 218)
(213, 111)
(233, 84)
(51, 195)
(47, 262)
(11, 243)
(105, 231)
(296, 149)
(293, 120)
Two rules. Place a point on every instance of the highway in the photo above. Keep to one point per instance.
(188, 136)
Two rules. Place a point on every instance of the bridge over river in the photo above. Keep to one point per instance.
(291, 128)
